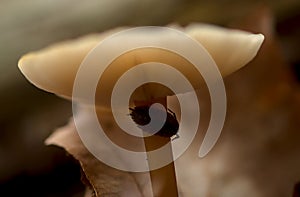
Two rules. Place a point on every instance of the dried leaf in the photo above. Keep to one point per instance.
(105, 180)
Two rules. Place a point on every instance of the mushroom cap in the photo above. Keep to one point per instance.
(54, 68)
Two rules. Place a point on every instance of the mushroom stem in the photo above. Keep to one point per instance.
(163, 180)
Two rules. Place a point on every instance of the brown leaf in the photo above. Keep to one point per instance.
(105, 180)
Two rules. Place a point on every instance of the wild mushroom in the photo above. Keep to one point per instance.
(54, 69)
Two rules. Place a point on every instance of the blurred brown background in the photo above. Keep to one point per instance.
(28, 115)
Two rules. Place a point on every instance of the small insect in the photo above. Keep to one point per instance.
(140, 115)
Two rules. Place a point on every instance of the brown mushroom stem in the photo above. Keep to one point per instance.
(163, 180)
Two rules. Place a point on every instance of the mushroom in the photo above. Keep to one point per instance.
(54, 69)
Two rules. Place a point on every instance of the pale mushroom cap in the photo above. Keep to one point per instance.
(54, 68)
(231, 49)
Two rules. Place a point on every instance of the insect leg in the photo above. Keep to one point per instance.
(176, 137)
(174, 115)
